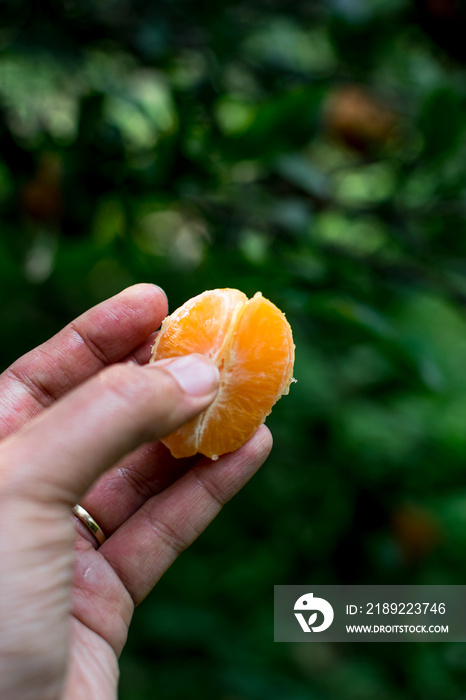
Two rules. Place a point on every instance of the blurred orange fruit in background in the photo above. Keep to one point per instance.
(358, 119)
(251, 343)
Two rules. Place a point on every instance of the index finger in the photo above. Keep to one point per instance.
(101, 336)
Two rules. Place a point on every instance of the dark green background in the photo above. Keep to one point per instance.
(316, 152)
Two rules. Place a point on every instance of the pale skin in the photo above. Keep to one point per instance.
(80, 421)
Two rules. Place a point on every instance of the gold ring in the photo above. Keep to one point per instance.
(90, 523)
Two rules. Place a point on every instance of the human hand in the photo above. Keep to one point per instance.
(79, 422)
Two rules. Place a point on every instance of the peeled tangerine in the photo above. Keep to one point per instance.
(251, 343)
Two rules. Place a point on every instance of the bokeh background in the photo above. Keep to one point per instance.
(314, 151)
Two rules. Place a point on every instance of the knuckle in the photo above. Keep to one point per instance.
(94, 348)
(210, 488)
(169, 536)
(136, 481)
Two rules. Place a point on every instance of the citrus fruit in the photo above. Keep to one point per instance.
(250, 342)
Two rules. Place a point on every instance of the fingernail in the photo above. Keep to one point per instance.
(195, 374)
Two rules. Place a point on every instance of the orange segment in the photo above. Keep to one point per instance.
(200, 325)
(251, 343)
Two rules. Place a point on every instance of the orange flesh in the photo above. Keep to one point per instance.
(251, 343)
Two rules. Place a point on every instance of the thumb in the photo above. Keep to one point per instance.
(58, 456)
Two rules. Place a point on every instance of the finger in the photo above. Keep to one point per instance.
(60, 454)
(139, 476)
(144, 547)
(142, 354)
(103, 335)
(124, 489)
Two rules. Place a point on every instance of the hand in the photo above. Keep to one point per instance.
(80, 419)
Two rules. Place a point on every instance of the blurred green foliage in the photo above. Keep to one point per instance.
(316, 152)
